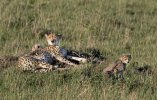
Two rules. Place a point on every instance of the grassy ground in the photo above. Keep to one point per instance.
(112, 26)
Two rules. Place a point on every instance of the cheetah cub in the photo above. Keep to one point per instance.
(37, 53)
(36, 61)
(36, 47)
(117, 68)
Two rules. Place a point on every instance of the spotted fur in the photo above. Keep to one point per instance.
(28, 63)
(41, 59)
(117, 68)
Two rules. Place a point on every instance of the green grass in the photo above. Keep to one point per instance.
(112, 26)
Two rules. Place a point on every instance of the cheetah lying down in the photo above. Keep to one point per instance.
(42, 59)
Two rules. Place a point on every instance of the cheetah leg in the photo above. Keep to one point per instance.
(121, 75)
(83, 60)
(44, 67)
(116, 74)
(62, 59)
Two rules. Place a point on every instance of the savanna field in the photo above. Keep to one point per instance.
(114, 27)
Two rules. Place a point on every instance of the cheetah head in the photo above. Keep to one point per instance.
(53, 39)
(36, 46)
(125, 58)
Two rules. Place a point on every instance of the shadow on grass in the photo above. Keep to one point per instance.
(6, 61)
(92, 55)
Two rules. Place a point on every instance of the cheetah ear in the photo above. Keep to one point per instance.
(59, 35)
(129, 56)
(46, 35)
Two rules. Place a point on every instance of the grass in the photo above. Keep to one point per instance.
(112, 26)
